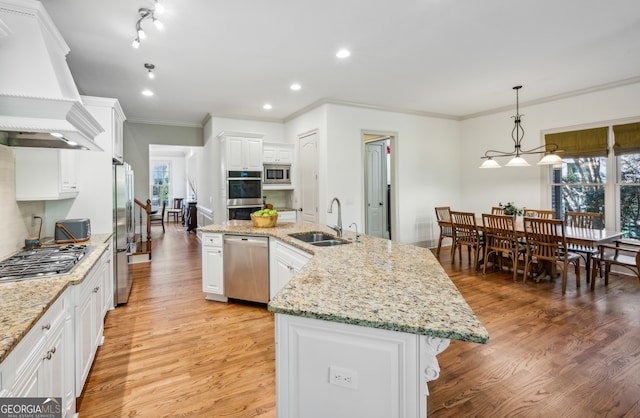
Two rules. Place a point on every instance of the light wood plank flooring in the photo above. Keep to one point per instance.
(169, 352)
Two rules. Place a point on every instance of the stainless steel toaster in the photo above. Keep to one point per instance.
(72, 230)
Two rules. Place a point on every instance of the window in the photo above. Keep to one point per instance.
(591, 178)
(160, 183)
(579, 186)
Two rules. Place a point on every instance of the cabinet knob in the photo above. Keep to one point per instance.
(95, 289)
(48, 326)
(49, 355)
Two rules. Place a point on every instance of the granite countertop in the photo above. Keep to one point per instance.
(374, 283)
(24, 302)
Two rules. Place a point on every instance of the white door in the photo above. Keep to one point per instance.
(376, 188)
(309, 177)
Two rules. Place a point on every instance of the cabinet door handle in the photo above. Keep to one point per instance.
(48, 326)
(49, 355)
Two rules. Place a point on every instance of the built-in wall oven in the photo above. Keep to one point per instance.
(244, 194)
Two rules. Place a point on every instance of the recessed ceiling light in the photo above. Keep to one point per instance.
(147, 93)
(267, 106)
(343, 53)
(295, 87)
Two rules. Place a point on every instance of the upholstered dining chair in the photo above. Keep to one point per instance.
(466, 233)
(546, 242)
(500, 240)
(158, 218)
(443, 216)
(589, 220)
(176, 210)
(539, 213)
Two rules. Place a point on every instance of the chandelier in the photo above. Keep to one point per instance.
(517, 134)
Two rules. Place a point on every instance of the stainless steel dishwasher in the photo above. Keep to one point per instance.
(246, 268)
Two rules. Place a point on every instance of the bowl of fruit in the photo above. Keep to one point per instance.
(264, 218)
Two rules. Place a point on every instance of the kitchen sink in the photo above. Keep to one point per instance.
(319, 239)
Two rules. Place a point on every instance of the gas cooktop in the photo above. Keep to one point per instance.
(41, 262)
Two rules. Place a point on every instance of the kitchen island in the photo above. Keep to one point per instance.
(358, 328)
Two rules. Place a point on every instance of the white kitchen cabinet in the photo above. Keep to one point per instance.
(286, 261)
(89, 324)
(41, 365)
(46, 174)
(287, 216)
(274, 153)
(243, 152)
(109, 113)
(212, 267)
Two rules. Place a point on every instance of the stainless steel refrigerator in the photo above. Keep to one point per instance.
(122, 230)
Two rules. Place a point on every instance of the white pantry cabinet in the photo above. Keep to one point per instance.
(89, 319)
(274, 153)
(285, 262)
(46, 174)
(41, 365)
(242, 151)
(212, 267)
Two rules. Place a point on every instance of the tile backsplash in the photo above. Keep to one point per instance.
(16, 218)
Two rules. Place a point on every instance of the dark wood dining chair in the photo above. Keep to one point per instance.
(466, 233)
(539, 213)
(443, 216)
(624, 253)
(500, 240)
(588, 220)
(546, 243)
(158, 218)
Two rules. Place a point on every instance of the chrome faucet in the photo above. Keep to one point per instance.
(337, 228)
(357, 235)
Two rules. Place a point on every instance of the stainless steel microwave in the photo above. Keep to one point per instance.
(277, 174)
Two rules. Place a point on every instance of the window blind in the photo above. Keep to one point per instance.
(580, 144)
(627, 138)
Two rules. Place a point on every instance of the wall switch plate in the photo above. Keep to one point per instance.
(343, 377)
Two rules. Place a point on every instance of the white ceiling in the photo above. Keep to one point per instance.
(449, 57)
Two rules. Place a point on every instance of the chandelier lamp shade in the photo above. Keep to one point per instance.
(146, 13)
(517, 134)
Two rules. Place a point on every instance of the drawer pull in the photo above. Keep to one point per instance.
(48, 326)
(95, 289)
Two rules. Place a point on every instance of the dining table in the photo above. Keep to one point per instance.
(586, 237)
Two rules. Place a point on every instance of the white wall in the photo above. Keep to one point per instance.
(15, 217)
(426, 172)
(483, 188)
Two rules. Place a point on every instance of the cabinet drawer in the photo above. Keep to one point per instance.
(294, 257)
(212, 240)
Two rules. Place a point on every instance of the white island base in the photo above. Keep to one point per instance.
(330, 369)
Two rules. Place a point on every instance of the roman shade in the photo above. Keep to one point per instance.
(627, 138)
(579, 144)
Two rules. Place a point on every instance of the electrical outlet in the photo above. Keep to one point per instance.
(343, 377)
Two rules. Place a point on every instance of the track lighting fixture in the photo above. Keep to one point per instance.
(150, 68)
(146, 13)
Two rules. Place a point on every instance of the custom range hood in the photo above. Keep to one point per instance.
(39, 103)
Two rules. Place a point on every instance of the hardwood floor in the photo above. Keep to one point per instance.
(169, 352)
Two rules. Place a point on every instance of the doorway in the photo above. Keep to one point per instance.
(309, 176)
(378, 188)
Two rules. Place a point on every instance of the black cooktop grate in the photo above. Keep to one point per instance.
(41, 262)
